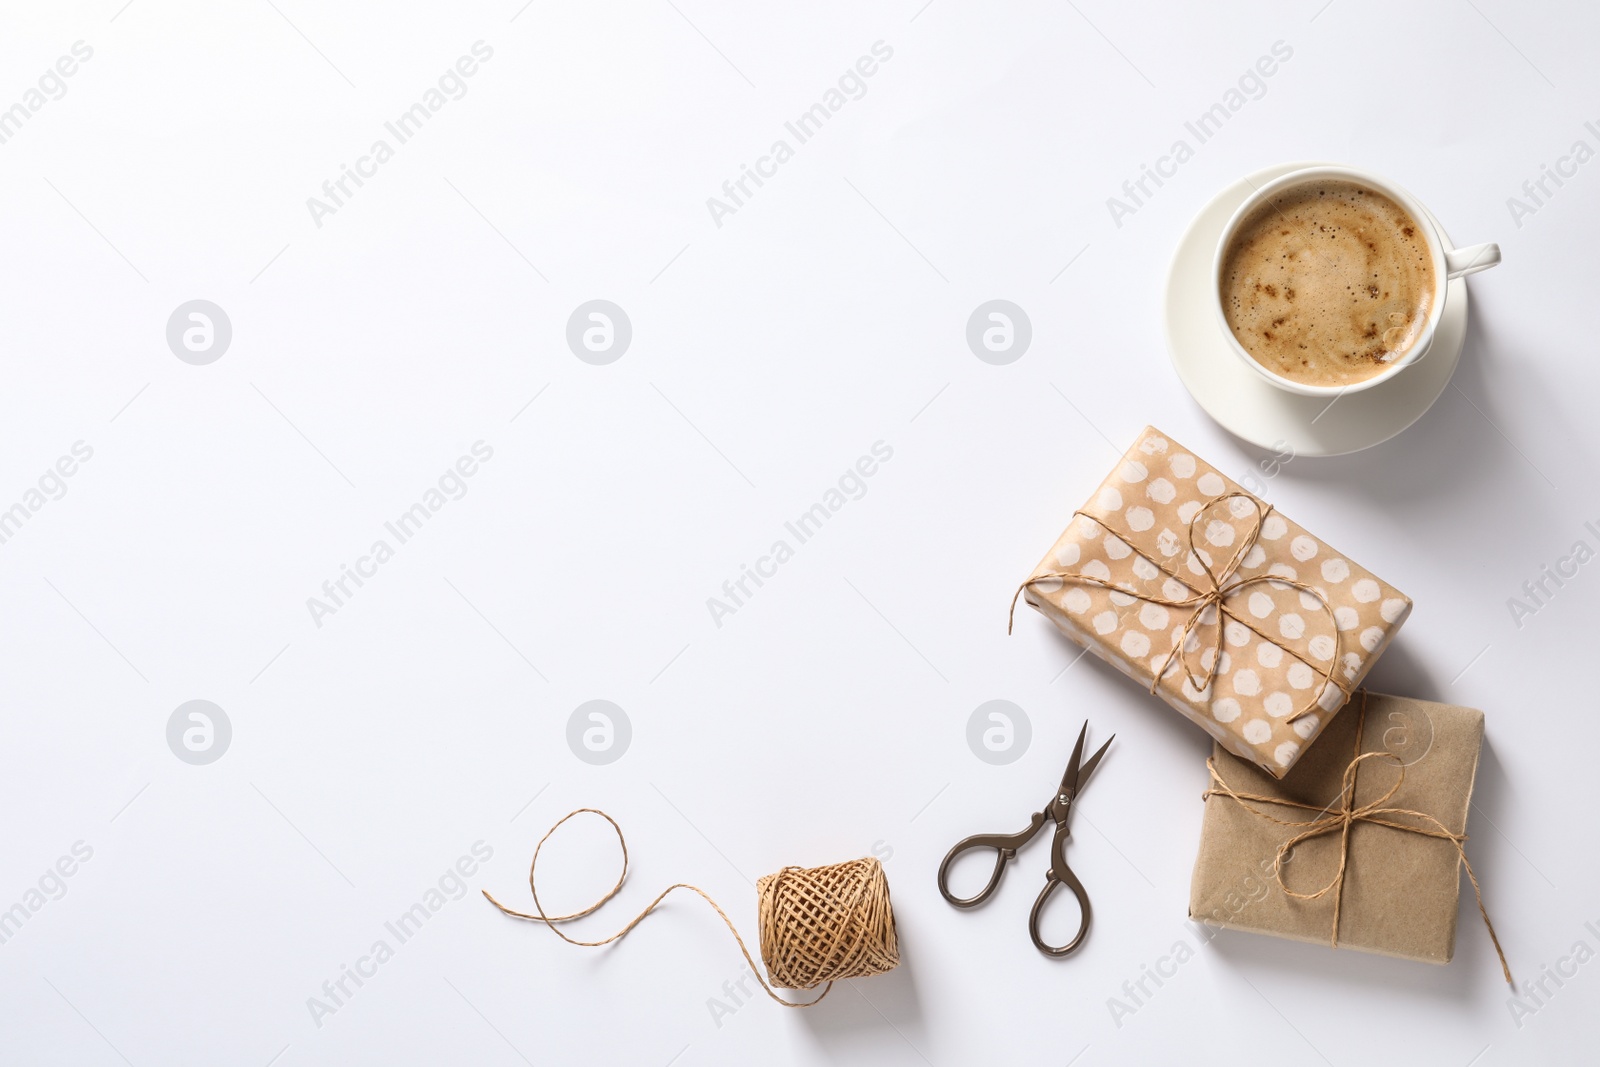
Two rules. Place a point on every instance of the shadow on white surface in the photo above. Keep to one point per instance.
(1468, 430)
(859, 1009)
(1401, 672)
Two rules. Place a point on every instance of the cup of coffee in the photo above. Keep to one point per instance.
(1331, 280)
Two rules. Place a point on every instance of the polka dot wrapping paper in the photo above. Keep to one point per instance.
(1259, 630)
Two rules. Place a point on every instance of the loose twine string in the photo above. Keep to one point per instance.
(1342, 820)
(1221, 587)
(818, 924)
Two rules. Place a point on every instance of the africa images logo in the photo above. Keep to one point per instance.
(736, 191)
(851, 485)
(337, 192)
(451, 485)
(51, 85)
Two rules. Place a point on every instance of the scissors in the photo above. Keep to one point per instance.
(1005, 845)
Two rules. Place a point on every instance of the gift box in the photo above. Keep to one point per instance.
(1224, 607)
(1360, 845)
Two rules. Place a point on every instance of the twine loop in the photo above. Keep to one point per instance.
(1341, 819)
(1211, 597)
(818, 924)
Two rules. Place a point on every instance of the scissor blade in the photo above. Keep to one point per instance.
(1070, 779)
(1094, 761)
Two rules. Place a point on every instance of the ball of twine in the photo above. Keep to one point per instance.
(818, 924)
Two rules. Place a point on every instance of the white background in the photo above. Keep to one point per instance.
(826, 718)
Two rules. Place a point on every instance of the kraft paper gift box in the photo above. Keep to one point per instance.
(1404, 806)
(1258, 629)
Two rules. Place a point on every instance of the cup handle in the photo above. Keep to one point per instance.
(1460, 262)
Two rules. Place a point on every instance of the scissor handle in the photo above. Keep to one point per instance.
(1055, 879)
(1005, 847)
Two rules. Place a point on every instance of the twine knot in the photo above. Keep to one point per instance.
(1340, 820)
(1208, 603)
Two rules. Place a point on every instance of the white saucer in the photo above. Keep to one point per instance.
(1246, 405)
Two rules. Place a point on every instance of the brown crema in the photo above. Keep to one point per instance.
(1328, 283)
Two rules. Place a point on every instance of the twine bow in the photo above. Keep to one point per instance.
(1341, 819)
(1210, 599)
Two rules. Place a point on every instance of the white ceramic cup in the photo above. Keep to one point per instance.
(1448, 263)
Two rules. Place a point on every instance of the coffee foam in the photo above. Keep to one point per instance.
(1328, 283)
